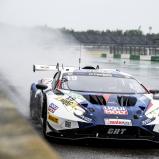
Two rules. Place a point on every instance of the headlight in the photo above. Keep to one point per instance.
(153, 114)
(79, 112)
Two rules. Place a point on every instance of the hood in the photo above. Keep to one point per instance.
(114, 109)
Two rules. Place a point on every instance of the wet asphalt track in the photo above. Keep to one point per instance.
(17, 70)
(102, 149)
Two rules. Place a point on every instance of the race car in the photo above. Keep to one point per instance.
(94, 103)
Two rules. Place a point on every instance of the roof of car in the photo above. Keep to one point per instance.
(96, 72)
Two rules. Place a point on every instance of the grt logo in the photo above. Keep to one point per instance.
(116, 131)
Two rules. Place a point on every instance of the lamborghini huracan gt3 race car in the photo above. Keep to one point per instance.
(94, 103)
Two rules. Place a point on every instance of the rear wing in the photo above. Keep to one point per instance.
(52, 68)
(44, 68)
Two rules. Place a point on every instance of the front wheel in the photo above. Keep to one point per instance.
(33, 112)
(44, 124)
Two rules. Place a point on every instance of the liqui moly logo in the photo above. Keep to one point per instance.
(115, 110)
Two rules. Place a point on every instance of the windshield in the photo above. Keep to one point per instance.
(101, 84)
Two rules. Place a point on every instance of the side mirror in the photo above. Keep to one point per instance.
(41, 86)
(155, 94)
(154, 91)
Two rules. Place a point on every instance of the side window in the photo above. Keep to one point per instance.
(55, 80)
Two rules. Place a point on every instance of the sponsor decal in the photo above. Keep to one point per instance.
(147, 121)
(86, 118)
(52, 107)
(44, 67)
(53, 119)
(100, 74)
(124, 122)
(116, 131)
(68, 101)
(68, 124)
(115, 110)
(76, 96)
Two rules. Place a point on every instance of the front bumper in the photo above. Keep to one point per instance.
(106, 132)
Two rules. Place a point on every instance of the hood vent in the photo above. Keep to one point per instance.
(95, 99)
(119, 100)
(126, 100)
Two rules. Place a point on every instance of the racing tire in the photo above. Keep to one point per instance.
(44, 124)
(33, 111)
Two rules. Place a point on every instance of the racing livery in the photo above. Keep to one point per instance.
(94, 103)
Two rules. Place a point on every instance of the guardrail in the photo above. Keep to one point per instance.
(130, 56)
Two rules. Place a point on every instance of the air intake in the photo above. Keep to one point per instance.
(95, 99)
(127, 101)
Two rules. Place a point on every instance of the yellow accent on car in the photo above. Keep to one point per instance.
(53, 119)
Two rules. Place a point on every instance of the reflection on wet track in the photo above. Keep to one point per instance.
(99, 149)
